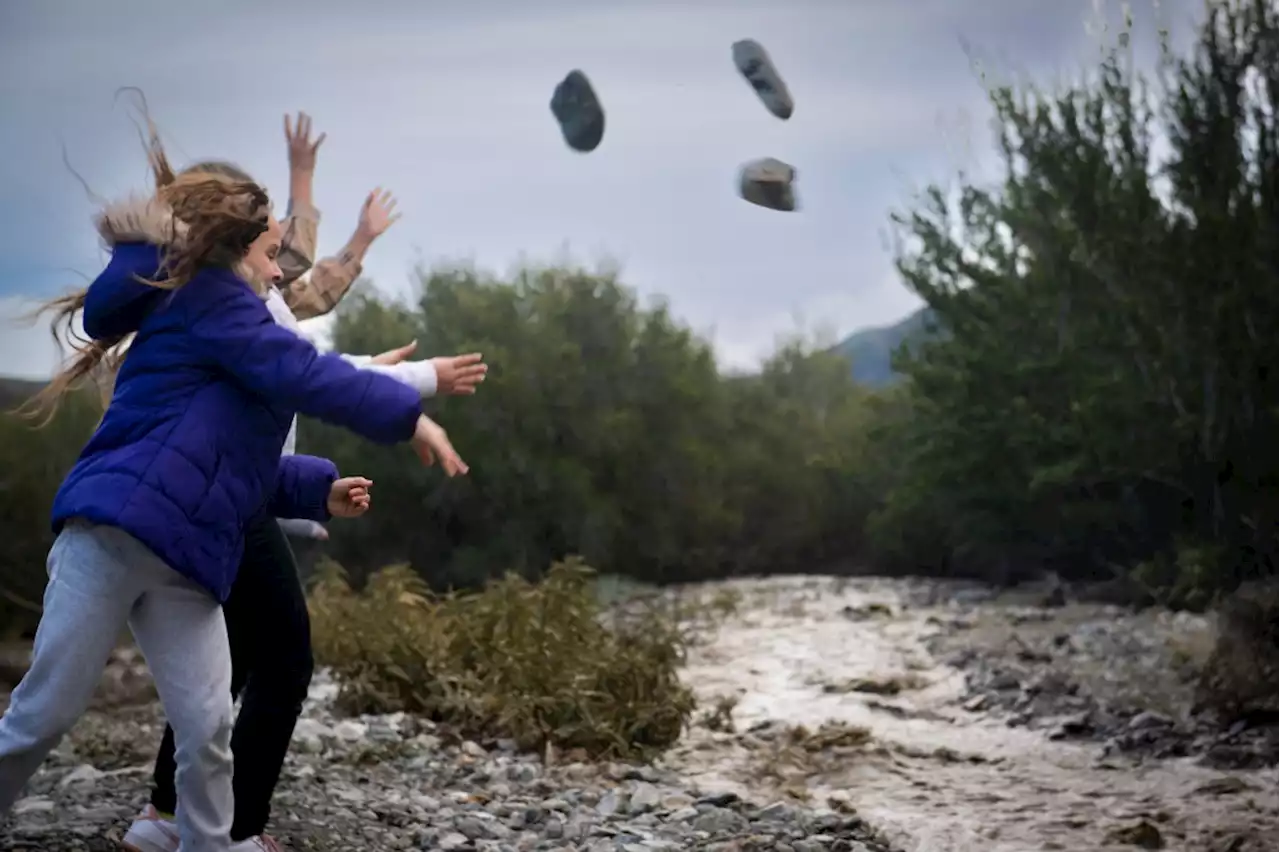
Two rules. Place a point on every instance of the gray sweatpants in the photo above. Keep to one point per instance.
(99, 579)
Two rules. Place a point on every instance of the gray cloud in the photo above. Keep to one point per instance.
(448, 107)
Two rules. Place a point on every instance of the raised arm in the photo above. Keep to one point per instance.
(318, 292)
(312, 289)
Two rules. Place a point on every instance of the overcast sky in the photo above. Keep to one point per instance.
(446, 103)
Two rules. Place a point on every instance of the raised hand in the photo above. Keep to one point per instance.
(377, 214)
(302, 150)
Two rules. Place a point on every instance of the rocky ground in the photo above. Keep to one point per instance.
(866, 716)
(1090, 673)
(388, 783)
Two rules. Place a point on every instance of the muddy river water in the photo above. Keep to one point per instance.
(933, 776)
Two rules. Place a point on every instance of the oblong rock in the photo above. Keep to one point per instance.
(753, 63)
(769, 183)
(578, 110)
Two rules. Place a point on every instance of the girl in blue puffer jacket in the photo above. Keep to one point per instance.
(149, 520)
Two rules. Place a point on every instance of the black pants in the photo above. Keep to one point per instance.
(271, 664)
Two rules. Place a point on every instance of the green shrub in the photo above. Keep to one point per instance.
(536, 663)
(1189, 578)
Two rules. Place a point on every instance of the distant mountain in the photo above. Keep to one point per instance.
(870, 351)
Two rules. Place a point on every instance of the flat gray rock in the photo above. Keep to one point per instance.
(578, 110)
(753, 63)
(769, 183)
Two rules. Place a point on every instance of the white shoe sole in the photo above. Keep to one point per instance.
(136, 840)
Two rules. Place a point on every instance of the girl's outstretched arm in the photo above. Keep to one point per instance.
(419, 375)
(233, 329)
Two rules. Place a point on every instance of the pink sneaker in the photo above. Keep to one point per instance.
(151, 832)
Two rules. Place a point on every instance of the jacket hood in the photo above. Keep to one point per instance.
(136, 232)
(138, 220)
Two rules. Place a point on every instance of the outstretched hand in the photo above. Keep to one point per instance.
(459, 375)
(431, 443)
(456, 375)
(349, 497)
(395, 356)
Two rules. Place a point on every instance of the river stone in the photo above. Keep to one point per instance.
(608, 804)
(644, 797)
(716, 820)
(84, 772)
(768, 183)
(453, 840)
(753, 63)
(576, 107)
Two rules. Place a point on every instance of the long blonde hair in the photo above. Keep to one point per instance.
(217, 213)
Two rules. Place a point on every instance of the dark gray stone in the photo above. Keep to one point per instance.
(578, 110)
(753, 63)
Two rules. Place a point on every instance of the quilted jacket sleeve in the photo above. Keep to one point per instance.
(302, 488)
(116, 302)
(232, 328)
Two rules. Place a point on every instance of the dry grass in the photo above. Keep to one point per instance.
(719, 717)
(536, 663)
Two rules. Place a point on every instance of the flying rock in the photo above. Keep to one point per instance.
(768, 183)
(576, 107)
(753, 63)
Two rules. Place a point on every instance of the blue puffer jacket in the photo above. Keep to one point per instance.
(189, 448)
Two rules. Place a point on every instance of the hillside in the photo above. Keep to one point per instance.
(14, 392)
(870, 351)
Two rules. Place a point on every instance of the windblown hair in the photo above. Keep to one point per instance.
(213, 211)
(221, 168)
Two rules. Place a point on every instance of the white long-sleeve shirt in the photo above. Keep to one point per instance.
(419, 375)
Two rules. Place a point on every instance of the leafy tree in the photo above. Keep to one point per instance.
(604, 430)
(1106, 390)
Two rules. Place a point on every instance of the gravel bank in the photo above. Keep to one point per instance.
(389, 783)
